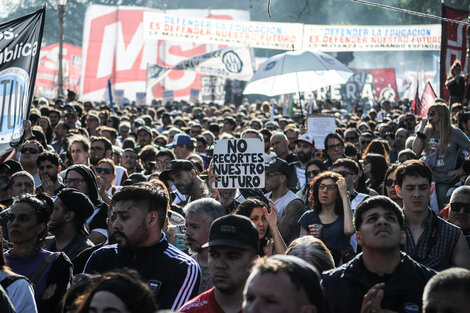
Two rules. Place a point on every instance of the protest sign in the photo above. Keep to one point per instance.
(20, 42)
(168, 96)
(239, 163)
(318, 127)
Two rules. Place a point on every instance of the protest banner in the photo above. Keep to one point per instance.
(454, 44)
(212, 89)
(371, 38)
(20, 42)
(114, 48)
(318, 127)
(168, 96)
(427, 99)
(239, 163)
(268, 35)
(47, 75)
(194, 96)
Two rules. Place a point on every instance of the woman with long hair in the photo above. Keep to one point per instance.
(377, 146)
(270, 239)
(312, 169)
(331, 217)
(389, 185)
(375, 167)
(455, 83)
(45, 124)
(439, 144)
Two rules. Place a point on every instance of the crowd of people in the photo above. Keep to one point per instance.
(113, 209)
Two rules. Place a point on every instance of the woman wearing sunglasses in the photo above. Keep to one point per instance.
(439, 144)
(29, 153)
(330, 218)
(82, 178)
(105, 175)
(389, 185)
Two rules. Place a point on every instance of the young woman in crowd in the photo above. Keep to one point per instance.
(331, 217)
(389, 185)
(375, 167)
(270, 239)
(313, 168)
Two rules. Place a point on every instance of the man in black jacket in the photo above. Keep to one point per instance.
(381, 277)
(140, 211)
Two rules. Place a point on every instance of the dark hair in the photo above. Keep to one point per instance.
(348, 163)
(377, 146)
(246, 207)
(127, 286)
(166, 152)
(42, 206)
(451, 280)
(107, 143)
(390, 171)
(318, 163)
(333, 136)
(374, 202)
(312, 250)
(48, 156)
(415, 168)
(313, 196)
(154, 199)
(379, 167)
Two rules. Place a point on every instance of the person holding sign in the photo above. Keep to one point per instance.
(289, 206)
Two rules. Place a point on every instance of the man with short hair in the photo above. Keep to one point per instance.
(48, 169)
(447, 292)
(364, 140)
(182, 146)
(280, 145)
(67, 223)
(129, 161)
(350, 171)
(60, 131)
(410, 123)
(289, 206)
(459, 210)
(233, 246)
(199, 216)
(184, 177)
(229, 125)
(304, 149)
(140, 213)
(92, 124)
(283, 284)
(144, 137)
(381, 277)
(292, 135)
(430, 240)
(405, 155)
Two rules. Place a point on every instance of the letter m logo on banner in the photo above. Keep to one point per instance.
(20, 42)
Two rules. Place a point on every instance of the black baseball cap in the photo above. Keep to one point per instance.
(233, 231)
(175, 166)
(278, 165)
(79, 203)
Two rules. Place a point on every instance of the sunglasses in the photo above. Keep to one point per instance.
(106, 171)
(431, 113)
(312, 173)
(457, 206)
(30, 150)
(389, 182)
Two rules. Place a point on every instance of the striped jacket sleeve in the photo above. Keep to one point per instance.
(185, 283)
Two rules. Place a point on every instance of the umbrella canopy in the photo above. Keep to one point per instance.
(297, 71)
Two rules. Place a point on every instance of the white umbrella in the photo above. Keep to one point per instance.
(297, 71)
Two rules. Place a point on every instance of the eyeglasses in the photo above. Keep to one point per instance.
(389, 182)
(312, 173)
(74, 181)
(328, 187)
(30, 150)
(431, 113)
(344, 173)
(339, 145)
(457, 206)
(103, 170)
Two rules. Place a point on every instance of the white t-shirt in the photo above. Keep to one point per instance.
(21, 294)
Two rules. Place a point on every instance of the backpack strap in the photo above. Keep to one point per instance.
(42, 267)
(7, 281)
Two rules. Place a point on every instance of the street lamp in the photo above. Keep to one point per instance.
(61, 8)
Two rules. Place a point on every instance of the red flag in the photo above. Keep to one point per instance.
(427, 99)
(416, 104)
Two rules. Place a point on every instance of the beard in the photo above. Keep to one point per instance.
(304, 157)
(53, 225)
(131, 243)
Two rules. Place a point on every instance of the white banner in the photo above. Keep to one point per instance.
(286, 36)
(371, 38)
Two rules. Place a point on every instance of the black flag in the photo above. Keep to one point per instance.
(20, 42)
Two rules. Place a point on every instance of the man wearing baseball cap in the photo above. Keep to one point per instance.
(182, 146)
(304, 148)
(183, 175)
(233, 244)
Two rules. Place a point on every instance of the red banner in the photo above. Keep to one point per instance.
(47, 76)
(454, 44)
(427, 99)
